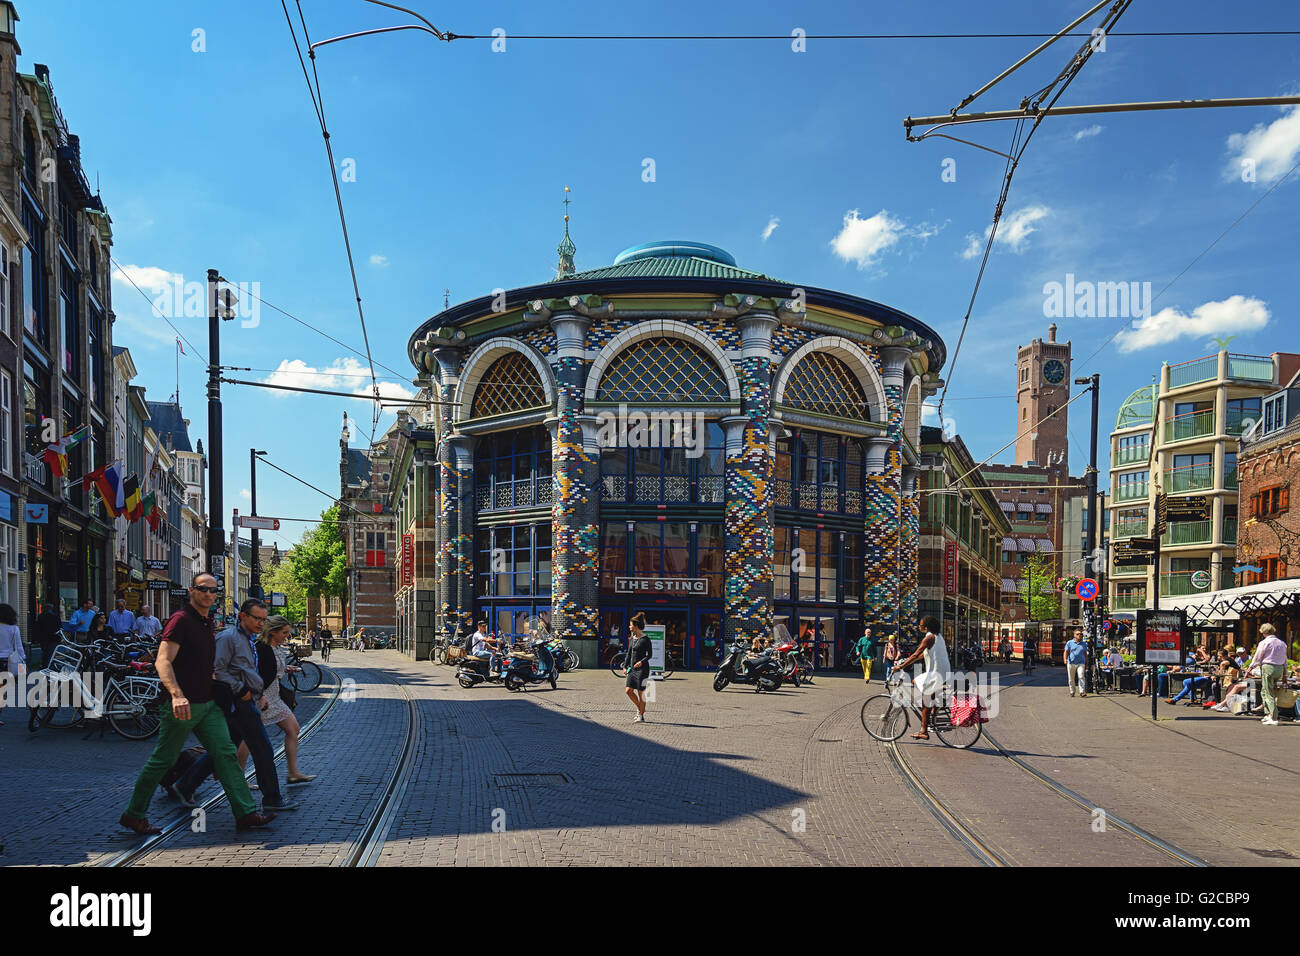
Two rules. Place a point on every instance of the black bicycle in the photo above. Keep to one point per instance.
(308, 676)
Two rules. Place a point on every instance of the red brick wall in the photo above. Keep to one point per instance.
(1274, 464)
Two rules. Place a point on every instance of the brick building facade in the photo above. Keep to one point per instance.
(367, 526)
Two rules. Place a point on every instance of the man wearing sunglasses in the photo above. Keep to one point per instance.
(185, 666)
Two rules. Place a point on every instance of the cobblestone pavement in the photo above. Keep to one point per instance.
(67, 792)
(734, 778)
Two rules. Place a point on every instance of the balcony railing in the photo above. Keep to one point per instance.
(1187, 427)
(1229, 530)
(524, 493)
(1187, 532)
(1130, 527)
(1133, 491)
(35, 471)
(1132, 454)
(1129, 570)
(1253, 368)
(1179, 583)
(1189, 478)
(1230, 479)
(1129, 602)
(1197, 370)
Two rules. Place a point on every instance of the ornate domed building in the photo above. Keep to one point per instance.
(671, 433)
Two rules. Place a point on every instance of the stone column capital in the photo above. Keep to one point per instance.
(570, 333)
(733, 427)
(462, 449)
(756, 330)
(877, 454)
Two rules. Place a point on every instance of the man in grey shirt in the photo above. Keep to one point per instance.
(240, 690)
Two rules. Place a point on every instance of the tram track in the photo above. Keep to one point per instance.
(365, 849)
(980, 849)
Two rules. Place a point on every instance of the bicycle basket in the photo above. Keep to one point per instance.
(968, 709)
(66, 659)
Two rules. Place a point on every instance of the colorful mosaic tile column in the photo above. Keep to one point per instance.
(884, 558)
(909, 534)
(448, 362)
(575, 511)
(747, 515)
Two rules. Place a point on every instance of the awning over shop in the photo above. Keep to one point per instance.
(1231, 603)
(1043, 508)
(1008, 586)
(1044, 544)
(1007, 505)
(1009, 544)
(1027, 544)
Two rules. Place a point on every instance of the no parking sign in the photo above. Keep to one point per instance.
(1086, 589)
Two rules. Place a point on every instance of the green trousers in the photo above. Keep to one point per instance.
(209, 725)
(1271, 674)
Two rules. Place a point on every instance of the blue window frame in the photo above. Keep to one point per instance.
(513, 469)
(813, 564)
(820, 473)
(513, 560)
(666, 475)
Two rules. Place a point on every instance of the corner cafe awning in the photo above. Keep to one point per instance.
(1231, 603)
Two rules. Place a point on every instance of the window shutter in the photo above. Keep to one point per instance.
(1284, 498)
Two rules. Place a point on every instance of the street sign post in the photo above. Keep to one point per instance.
(259, 522)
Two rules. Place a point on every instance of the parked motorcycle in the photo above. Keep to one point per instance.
(763, 672)
(473, 671)
(792, 668)
(522, 668)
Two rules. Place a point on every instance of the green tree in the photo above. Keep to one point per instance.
(279, 577)
(1039, 574)
(318, 562)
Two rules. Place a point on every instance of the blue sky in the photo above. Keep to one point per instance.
(212, 159)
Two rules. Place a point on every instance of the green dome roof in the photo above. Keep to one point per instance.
(1138, 409)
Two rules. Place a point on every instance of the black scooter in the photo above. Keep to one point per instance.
(474, 670)
(762, 672)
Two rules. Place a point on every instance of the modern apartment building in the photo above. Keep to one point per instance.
(1180, 436)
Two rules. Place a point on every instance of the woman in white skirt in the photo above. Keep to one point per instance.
(275, 633)
(931, 680)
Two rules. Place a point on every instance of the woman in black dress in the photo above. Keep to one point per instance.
(638, 666)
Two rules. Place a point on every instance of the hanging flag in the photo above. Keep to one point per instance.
(92, 477)
(113, 475)
(131, 493)
(108, 490)
(149, 505)
(56, 457)
(80, 435)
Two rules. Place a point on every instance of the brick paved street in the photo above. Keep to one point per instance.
(564, 777)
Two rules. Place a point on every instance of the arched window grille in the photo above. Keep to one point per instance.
(823, 384)
(510, 384)
(662, 370)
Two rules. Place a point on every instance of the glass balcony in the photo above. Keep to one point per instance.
(1129, 602)
(1229, 530)
(1130, 527)
(1130, 492)
(1187, 532)
(1132, 454)
(1179, 583)
(1230, 480)
(1189, 478)
(1187, 427)
(1197, 370)
(1122, 571)
(1253, 368)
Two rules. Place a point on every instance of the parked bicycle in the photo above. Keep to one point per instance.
(131, 693)
(672, 663)
(309, 674)
(885, 716)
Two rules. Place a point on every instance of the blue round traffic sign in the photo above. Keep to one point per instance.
(1087, 589)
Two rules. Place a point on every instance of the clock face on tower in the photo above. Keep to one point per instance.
(1054, 372)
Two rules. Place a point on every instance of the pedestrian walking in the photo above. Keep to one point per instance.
(1076, 656)
(240, 687)
(273, 665)
(185, 662)
(98, 630)
(121, 622)
(866, 648)
(13, 659)
(1028, 653)
(146, 625)
(1270, 657)
(891, 656)
(931, 682)
(79, 623)
(638, 665)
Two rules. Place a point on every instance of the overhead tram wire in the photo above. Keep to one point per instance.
(873, 36)
(318, 104)
(338, 501)
(395, 400)
(1063, 79)
(125, 275)
(1200, 255)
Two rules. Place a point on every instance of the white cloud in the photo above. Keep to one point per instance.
(379, 261)
(341, 375)
(1236, 313)
(1087, 131)
(148, 278)
(245, 494)
(771, 227)
(1270, 149)
(1013, 232)
(864, 240)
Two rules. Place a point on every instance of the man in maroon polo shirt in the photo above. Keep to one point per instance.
(185, 658)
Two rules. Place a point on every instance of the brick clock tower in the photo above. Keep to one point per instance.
(1042, 390)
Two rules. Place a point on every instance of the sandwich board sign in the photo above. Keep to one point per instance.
(657, 634)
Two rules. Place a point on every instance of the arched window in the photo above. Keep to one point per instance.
(510, 384)
(662, 370)
(823, 384)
